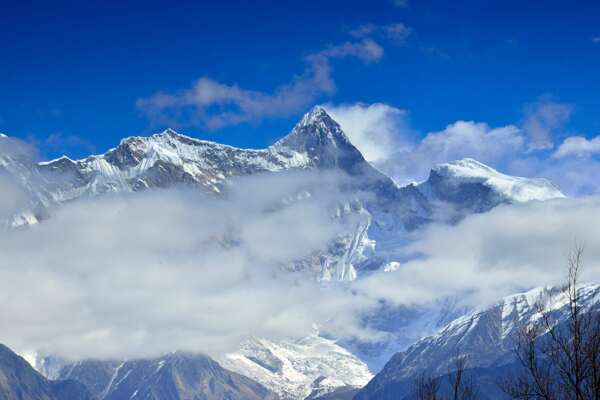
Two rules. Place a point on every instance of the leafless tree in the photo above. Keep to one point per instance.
(560, 357)
(461, 386)
(427, 388)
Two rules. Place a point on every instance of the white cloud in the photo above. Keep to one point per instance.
(596, 39)
(215, 104)
(543, 119)
(377, 130)
(509, 249)
(578, 146)
(461, 139)
(140, 275)
(366, 50)
(397, 32)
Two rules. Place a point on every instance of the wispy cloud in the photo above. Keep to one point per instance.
(397, 32)
(215, 104)
(543, 119)
(596, 39)
(366, 50)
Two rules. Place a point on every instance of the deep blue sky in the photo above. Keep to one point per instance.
(77, 68)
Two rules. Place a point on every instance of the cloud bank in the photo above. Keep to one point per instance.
(148, 273)
(507, 250)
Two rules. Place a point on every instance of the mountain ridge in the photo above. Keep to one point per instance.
(486, 336)
(19, 381)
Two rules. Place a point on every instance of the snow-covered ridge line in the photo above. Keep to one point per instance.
(63, 157)
(309, 118)
(516, 188)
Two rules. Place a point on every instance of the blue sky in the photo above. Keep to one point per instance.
(74, 75)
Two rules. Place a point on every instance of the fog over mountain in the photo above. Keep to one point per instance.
(301, 266)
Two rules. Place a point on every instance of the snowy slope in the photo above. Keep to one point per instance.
(486, 336)
(295, 369)
(511, 188)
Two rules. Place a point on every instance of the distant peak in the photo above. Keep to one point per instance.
(170, 132)
(3, 136)
(143, 141)
(314, 116)
(515, 188)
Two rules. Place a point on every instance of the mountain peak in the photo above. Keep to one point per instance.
(315, 116)
(322, 139)
(170, 133)
(315, 129)
(512, 188)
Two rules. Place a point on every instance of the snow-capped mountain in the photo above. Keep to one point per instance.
(378, 214)
(469, 183)
(291, 369)
(486, 336)
(295, 369)
(168, 158)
